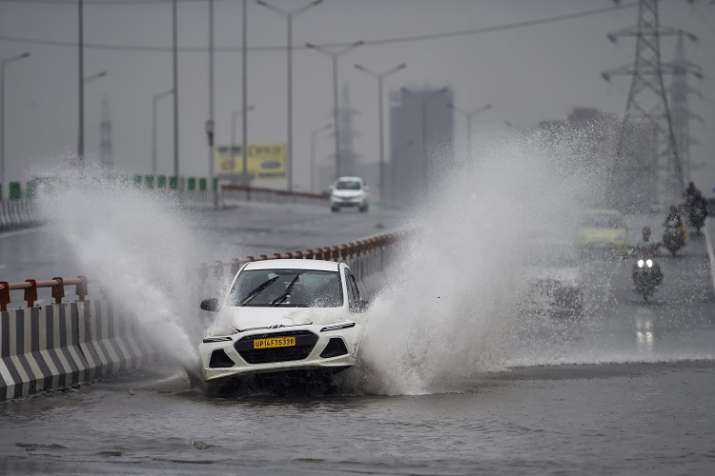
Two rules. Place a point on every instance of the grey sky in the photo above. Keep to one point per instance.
(528, 74)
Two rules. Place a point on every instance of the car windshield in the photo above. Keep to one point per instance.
(553, 255)
(603, 220)
(287, 288)
(348, 185)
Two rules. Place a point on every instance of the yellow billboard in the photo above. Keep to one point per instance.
(264, 160)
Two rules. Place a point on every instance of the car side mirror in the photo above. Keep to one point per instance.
(210, 305)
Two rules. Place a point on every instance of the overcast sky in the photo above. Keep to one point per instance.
(528, 74)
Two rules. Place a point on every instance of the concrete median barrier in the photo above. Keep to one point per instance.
(64, 344)
(16, 214)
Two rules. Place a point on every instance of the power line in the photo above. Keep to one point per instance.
(383, 41)
(100, 2)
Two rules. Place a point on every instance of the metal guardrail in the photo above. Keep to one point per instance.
(30, 287)
(342, 252)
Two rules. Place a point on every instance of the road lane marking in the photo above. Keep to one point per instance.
(711, 253)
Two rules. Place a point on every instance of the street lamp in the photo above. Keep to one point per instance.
(469, 115)
(94, 77)
(424, 102)
(289, 15)
(3, 65)
(313, 146)
(334, 57)
(380, 77)
(154, 105)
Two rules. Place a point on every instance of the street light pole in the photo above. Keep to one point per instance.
(289, 15)
(469, 115)
(210, 121)
(424, 102)
(313, 147)
(334, 57)
(244, 93)
(3, 65)
(80, 81)
(380, 77)
(175, 88)
(154, 106)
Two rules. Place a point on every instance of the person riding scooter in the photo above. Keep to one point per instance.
(675, 234)
(646, 273)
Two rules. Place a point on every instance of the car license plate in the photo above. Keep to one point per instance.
(274, 342)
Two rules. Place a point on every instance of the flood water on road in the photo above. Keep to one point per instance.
(629, 389)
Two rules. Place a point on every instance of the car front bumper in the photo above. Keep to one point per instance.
(306, 355)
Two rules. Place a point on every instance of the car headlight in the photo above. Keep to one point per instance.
(338, 326)
(640, 263)
(649, 263)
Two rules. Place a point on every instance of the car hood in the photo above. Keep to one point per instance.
(244, 318)
(347, 193)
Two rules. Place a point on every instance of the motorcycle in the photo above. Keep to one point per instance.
(646, 276)
(673, 237)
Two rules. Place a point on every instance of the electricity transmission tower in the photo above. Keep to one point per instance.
(647, 131)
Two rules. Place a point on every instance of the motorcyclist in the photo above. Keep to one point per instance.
(699, 203)
(646, 249)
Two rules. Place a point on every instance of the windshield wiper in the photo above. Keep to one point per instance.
(257, 290)
(286, 293)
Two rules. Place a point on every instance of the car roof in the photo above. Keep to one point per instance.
(311, 264)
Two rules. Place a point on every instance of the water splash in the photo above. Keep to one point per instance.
(450, 310)
(136, 246)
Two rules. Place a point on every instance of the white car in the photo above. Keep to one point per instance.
(284, 315)
(349, 192)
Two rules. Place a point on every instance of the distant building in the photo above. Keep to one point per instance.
(421, 142)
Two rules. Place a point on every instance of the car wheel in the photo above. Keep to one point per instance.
(364, 209)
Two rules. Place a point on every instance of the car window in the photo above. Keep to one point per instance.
(348, 185)
(287, 288)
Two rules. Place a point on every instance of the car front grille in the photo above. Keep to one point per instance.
(305, 341)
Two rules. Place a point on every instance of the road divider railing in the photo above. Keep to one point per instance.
(367, 258)
(17, 209)
(201, 189)
(244, 193)
(63, 344)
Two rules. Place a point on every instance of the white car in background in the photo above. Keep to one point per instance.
(349, 192)
(283, 316)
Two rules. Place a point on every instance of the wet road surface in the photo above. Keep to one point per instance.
(629, 389)
(238, 231)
